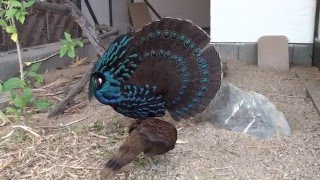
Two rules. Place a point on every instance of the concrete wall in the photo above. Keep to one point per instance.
(248, 20)
(316, 55)
(299, 54)
(196, 11)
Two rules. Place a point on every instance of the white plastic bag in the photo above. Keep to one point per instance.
(246, 112)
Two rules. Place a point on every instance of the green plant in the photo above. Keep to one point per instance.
(21, 92)
(68, 46)
(10, 12)
(20, 88)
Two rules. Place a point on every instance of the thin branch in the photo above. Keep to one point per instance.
(44, 59)
(28, 129)
(19, 54)
(70, 9)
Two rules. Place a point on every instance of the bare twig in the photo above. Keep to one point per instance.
(70, 9)
(4, 119)
(43, 59)
(8, 135)
(62, 126)
(6, 164)
(73, 122)
(98, 136)
(75, 13)
(19, 51)
(28, 129)
(79, 168)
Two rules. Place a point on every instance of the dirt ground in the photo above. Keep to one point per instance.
(77, 144)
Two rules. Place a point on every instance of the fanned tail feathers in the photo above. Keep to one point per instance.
(176, 57)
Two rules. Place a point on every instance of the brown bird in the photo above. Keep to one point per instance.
(151, 136)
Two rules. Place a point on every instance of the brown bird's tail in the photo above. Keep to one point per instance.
(128, 151)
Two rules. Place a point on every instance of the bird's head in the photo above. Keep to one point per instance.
(97, 79)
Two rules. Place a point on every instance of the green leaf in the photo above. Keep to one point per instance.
(11, 29)
(18, 102)
(68, 36)
(2, 12)
(11, 12)
(39, 80)
(20, 15)
(65, 42)
(27, 95)
(42, 104)
(71, 53)
(31, 74)
(35, 66)
(63, 51)
(12, 111)
(22, 19)
(28, 3)
(12, 83)
(14, 3)
(79, 43)
(3, 23)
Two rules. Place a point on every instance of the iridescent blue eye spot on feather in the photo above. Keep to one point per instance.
(182, 70)
(198, 55)
(204, 66)
(181, 93)
(199, 94)
(179, 59)
(197, 52)
(196, 100)
(185, 109)
(153, 53)
(205, 73)
(190, 106)
(146, 55)
(203, 88)
(166, 34)
(182, 37)
(158, 34)
(183, 87)
(154, 88)
(192, 46)
(173, 58)
(138, 44)
(167, 55)
(201, 61)
(161, 53)
(143, 40)
(187, 42)
(182, 64)
(186, 75)
(185, 81)
(174, 35)
(204, 80)
(151, 36)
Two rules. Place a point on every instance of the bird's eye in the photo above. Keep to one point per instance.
(100, 81)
